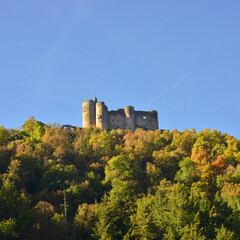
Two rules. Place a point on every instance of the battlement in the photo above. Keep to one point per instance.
(96, 114)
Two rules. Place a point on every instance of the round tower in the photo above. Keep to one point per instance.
(88, 113)
(130, 118)
(101, 115)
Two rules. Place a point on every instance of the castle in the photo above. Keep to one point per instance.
(96, 114)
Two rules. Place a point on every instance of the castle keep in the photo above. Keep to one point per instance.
(96, 114)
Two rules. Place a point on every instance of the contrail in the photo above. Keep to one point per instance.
(174, 84)
(188, 74)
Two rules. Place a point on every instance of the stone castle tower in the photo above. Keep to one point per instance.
(96, 114)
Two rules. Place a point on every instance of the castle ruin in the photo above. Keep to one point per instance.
(96, 114)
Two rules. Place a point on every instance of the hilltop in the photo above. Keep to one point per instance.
(120, 184)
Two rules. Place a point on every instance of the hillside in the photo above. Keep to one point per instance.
(94, 184)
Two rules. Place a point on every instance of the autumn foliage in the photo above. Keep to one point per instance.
(97, 184)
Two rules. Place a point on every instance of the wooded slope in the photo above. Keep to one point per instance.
(118, 184)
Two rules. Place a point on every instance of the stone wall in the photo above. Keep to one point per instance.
(146, 120)
(116, 119)
(96, 114)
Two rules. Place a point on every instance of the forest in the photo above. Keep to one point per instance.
(109, 185)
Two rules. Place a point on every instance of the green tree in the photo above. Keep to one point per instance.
(4, 136)
(34, 129)
(7, 229)
(142, 222)
(178, 210)
(85, 220)
(14, 204)
(224, 234)
(58, 176)
(187, 172)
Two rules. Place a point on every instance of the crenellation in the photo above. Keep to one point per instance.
(96, 114)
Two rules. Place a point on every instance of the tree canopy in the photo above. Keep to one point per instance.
(97, 184)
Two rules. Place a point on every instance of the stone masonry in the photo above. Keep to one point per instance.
(96, 114)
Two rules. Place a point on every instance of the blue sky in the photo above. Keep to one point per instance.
(181, 58)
